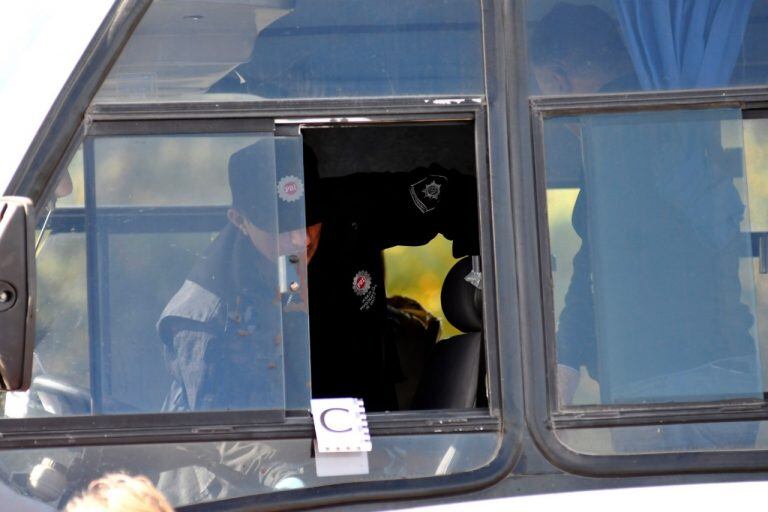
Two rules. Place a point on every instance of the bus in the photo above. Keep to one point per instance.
(509, 253)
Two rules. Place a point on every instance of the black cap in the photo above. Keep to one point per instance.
(270, 171)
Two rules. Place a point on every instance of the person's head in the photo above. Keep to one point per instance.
(577, 49)
(274, 205)
(119, 492)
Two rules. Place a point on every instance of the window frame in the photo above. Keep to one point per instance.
(546, 414)
(203, 118)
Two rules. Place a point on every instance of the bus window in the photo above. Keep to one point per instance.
(218, 254)
(655, 296)
(279, 49)
(650, 46)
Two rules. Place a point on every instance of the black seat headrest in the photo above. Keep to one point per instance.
(461, 300)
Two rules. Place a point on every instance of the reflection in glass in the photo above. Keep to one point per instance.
(202, 472)
(156, 295)
(279, 49)
(756, 164)
(658, 306)
(667, 438)
(173, 170)
(602, 46)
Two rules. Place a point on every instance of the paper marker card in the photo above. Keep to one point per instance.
(341, 425)
(340, 464)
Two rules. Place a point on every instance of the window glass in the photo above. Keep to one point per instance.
(756, 160)
(728, 435)
(165, 171)
(654, 274)
(278, 49)
(189, 473)
(604, 46)
(177, 282)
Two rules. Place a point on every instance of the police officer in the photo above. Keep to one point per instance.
(222, 329)
(365, 213)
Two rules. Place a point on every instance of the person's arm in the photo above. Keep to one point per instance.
(576, 341)
(185, 358)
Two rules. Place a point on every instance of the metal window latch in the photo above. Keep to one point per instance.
(288, 273)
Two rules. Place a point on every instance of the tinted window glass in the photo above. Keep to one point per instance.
(189, 473)
(654, 269)
(140, 308)
(603, 46)
(213, 50)
(726, 435)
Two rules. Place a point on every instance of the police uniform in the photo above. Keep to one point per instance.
(364, 214)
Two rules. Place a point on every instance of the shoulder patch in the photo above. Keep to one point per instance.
(426, 192)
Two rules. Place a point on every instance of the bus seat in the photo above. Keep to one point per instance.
(453, 370)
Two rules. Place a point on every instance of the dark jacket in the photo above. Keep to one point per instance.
(219, 331)
(351, 355)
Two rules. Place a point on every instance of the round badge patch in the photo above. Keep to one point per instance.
(290, 188)
(361, 283)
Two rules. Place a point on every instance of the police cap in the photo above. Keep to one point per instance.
(269, 172)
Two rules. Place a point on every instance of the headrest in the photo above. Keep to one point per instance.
(462, 301)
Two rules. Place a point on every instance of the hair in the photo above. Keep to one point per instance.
(581, 36)
(118, 492)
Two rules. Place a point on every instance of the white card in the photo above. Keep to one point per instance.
(340, 464)
(341, 425)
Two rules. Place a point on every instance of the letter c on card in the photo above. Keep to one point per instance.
(325, 424)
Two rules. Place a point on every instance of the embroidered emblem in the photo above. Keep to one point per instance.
(365, 289)
(290, 188)
(425, 193)
(432, 190)
(361, 283)
(369, 299)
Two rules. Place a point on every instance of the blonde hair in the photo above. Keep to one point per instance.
(118, 492)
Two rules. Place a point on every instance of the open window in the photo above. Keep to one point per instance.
(406, 192)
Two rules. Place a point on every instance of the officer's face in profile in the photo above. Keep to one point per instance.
(298, 241)
(313, 239)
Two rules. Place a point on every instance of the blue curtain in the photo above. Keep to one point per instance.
(686, 44)
(681, 44)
